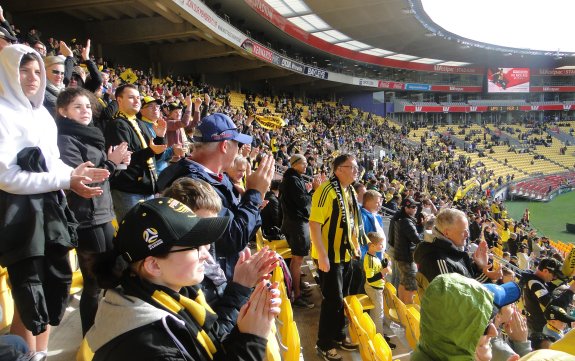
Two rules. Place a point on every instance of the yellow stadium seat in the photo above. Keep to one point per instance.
(6, 301)
(413, 317)
(363, 337)
(350, 314)
(388, 303)
(382, 350)
(402, 313)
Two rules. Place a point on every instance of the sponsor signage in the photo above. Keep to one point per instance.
(483, 108)
(456, 88)
(390, 85)
(412, 86)
(508, 80)
(366, 82)
(552, 89)
(555, 72)
(315, 72)
(288, 63)
(209, 19)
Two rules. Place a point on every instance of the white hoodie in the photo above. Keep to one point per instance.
(26, 123)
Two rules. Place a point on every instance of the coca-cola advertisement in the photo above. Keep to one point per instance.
(508, 80)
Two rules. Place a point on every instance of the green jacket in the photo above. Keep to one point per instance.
(455, 311)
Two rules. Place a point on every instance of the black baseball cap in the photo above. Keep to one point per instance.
(558, 313)
(408, 202)
(553, 265)
(153, 227)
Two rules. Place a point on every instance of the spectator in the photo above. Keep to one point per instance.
(55, 81)
(406, 238)
(205, 202)
(237, 172)
(375, 271)
(514, 341)
(160, 298)
(150, 115)
(31, 178)
(272, 213)
(216, 145)
(334, 229)
(372, 221)
(537, 291)
(80, 141)
(558, 320)
(138, 181)
(444, 337)
(446, 253)
(295, 201)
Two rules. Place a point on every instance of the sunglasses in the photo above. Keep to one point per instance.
(411, 207)
(57, 72)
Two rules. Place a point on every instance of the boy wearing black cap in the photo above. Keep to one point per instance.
(557, 321)
(159, 311)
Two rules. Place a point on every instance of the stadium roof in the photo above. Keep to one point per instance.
(155, 30)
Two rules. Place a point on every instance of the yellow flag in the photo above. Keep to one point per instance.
(129, 76)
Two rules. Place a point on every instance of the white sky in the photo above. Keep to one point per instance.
(545, 25)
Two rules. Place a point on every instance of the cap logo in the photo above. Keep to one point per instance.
(179, 207)
(151, 237)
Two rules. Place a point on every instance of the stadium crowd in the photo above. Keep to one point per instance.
(189, 179)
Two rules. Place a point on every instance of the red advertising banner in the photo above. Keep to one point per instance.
(552, 89)
(456, 88)
(258, 50)
(554, 72)
(508, 80)
(390, 85)
(484, 108)
(271, 15)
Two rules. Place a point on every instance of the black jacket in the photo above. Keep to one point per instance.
(474, 231)
(271, 213)
(441, 256)
(127, 328)
(406, 238)
(97, 210)
(137, 178)
(294, 198)
(30, 223)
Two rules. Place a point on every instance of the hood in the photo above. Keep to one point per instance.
(451, 304)
(10, 88)
(118, 314)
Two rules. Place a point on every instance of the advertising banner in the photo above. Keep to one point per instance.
(508, 80)
(413, 86)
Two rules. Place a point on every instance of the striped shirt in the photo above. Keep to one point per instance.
(325, 211)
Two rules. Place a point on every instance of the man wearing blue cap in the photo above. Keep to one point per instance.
(216, 143)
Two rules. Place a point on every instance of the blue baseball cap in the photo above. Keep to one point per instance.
(504, 294)
(218, 127)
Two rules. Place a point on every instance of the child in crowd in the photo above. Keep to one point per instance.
(558, 320)
(375, 272)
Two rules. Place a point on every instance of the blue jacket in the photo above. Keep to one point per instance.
(244, 212)
(369, 226)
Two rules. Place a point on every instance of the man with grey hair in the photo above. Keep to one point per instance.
(447, 254)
